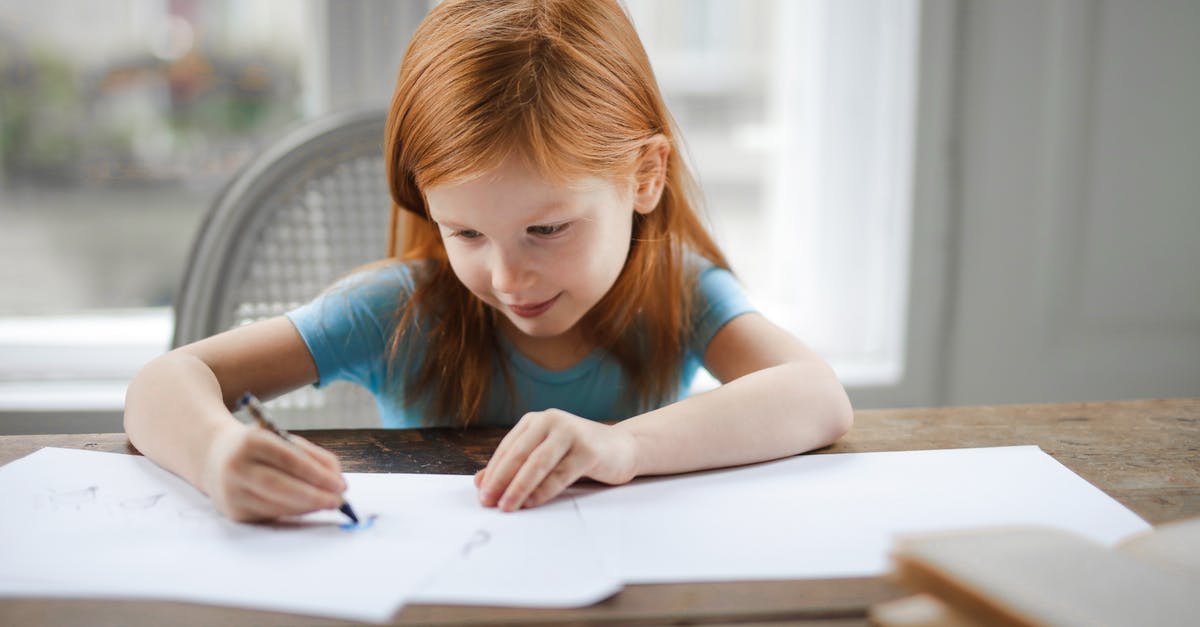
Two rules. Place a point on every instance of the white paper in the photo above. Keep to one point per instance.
(79, 523)
(540, 557)
(110, 525)
(834, 515)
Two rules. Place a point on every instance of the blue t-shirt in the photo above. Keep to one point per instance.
(348, 330)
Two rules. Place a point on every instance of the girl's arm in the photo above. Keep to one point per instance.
(778, 399)
(177, 413)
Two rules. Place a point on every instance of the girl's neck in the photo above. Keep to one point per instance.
(560, 352)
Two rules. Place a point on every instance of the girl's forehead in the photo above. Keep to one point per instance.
(517, 176)
(501, 202)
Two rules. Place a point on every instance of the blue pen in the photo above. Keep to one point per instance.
(259, 414)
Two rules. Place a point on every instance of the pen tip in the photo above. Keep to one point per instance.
(244, 400)
(345, 509)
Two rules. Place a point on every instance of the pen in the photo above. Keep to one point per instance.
(259, 414)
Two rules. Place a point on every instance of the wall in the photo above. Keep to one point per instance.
(1076, 191)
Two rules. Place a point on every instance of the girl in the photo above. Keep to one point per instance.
(552, 269)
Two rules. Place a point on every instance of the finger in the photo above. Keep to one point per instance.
(294, 461)
(251, 508)
(569, 470)
(287, 494)
(479, 478)
(323, 456)
(507, 442)
(540, 463)
(504, 465)
(243, 504)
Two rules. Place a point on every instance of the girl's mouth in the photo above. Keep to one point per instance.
(534, 310)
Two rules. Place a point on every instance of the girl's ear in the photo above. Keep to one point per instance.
(651, 174)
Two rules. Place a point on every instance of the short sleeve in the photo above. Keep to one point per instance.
(719, 299)
(348, 328)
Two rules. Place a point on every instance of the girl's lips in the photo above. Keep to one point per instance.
(533, 311)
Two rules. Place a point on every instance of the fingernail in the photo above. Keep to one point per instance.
(487, 496)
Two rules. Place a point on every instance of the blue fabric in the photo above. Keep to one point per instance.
(349, 327)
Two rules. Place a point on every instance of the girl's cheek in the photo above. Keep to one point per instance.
(471, 273)
(480, 282)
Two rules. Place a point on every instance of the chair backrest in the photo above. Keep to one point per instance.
(302, 214)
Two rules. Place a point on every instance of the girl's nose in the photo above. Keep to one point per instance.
(510, 274)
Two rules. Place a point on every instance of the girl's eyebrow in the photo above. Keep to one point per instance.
(564, 211)
(450, 224)
(550, 212)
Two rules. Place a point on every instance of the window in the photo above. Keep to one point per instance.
(798, 120)
(121, 119)
(119, 123)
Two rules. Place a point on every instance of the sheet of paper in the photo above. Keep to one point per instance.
(834, 515)
(532, 558)
(540, 557)
(80, 523)
(108, 525)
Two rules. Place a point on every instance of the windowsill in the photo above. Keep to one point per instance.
(854, 373)
(77, 363)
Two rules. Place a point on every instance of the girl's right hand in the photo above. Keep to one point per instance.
(253, 475)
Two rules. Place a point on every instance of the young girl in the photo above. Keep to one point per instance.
(553, 275)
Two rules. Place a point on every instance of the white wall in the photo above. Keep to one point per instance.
(1056, 254)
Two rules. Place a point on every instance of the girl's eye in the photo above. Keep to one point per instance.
(548, 230)
(466, 234)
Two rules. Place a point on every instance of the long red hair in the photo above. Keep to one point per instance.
(568, 84)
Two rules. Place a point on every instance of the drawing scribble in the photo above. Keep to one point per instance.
(145, 502)
(363, 525)
(75, 498)
(477, 540)
(96, 502)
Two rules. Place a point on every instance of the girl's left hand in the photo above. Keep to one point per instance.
(548, 451)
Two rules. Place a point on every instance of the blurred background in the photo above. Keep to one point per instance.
(954, 202)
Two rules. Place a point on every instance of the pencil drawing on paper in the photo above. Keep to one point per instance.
(73, 498)
(95, 500)
(365, 524)
(477, 540)
(144, 502)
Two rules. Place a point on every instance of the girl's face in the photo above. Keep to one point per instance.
(541, 253)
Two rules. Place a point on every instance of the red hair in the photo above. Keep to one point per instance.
(568, 85)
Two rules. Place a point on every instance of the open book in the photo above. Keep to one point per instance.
(1043, 576)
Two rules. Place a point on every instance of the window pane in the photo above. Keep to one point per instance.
(796, 115)
(712, 59)
(119, 123)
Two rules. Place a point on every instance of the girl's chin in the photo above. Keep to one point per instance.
(545, 326)
(539, 329)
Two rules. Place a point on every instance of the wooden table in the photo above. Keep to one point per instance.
(1146, 454)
